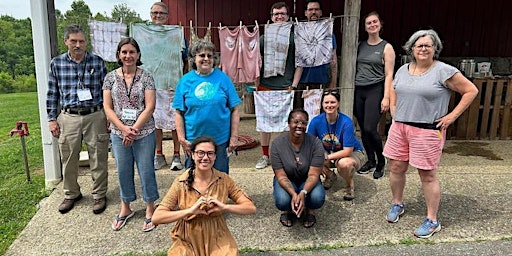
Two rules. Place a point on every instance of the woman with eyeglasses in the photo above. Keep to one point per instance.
(343, 151)
(207, 104)
(420, 96)
(374, 75)
(197, 200)
(129, 102)
(297, 159)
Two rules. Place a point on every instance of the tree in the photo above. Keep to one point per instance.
(121, 13)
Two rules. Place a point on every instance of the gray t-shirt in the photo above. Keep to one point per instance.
(369, 67)
(422, 98)
(296, 164)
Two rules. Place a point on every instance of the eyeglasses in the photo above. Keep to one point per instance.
(158, 13)
(203, 55)
(331, 91)
(313, 9)
(421, 46)
(201, 153)
(279, 13)
(297, 122)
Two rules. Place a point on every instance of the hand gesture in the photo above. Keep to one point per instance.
(298, 204)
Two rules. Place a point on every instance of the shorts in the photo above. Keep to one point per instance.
(422, 148)
(359, 159)
(164, 113)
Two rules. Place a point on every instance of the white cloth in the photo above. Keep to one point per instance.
(276, 43)
(272, 109)
(312, 102)
(104, 38)
(313, 43)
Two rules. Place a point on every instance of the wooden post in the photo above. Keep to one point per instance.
(347, 67)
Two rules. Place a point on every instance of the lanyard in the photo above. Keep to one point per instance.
(129, 92)
(331, 132)
(81, 76)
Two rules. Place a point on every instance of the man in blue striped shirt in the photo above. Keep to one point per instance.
(75, 113)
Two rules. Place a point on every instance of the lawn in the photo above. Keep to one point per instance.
(19, 199)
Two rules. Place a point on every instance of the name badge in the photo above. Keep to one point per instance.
(84, 94)
(129, 114)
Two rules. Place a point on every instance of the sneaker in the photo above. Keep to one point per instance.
(427, 229)
(379, 170)
(395, 212)
(176, 163)
(99, 205)
(366, 168)
(262, 162)
(349, 194)
(159, 161)
(68, 204)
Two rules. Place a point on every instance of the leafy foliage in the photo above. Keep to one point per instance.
(17, 67)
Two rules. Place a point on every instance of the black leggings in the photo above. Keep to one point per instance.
(367, 109)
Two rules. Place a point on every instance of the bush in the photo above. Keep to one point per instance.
(6, 83)
(25, 83)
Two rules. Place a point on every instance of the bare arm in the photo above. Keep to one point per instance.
(242, 206)
(345, 152)
(296, 76)
(467, 90)
(389, 68)
(235, 124)
(392, 100)
(180, 129)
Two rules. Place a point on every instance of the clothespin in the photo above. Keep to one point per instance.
(268, 22)
(256, 21)
(220, 25)
(209, 25)
(330, 16)
(240, 24)
(296, 20)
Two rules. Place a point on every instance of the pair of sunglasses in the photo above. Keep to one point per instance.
(331, 91)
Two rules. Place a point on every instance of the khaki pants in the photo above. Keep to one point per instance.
(92, 129)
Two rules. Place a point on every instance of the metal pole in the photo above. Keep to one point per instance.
(24, 149)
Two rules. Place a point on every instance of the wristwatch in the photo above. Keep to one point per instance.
(305, 192)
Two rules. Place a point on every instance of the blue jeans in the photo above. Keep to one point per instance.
(142, 153)
(314, 200)
(221, 159)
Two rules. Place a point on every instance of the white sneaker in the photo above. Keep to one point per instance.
(262, 162)
(176, 163)
(159, 161)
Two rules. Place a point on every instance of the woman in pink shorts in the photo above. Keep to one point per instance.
(419, 101)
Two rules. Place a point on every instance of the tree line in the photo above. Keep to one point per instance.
(17, 66)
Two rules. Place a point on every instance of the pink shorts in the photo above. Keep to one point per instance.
(422, 148)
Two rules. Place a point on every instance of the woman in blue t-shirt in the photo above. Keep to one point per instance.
(207, 105)
(343, 150)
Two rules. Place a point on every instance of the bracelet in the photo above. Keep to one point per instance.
(305, 192)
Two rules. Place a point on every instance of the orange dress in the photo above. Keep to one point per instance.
(202, 235)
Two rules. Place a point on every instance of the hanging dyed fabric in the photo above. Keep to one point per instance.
(104, 38)
(240, 53)
(276, 43)
(272, 109)
(313, 43)
(161, 49)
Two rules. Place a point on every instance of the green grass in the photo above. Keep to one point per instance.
(19, 199)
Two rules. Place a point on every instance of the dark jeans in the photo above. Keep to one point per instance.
(367, 109)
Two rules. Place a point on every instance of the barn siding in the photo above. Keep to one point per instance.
(468, 28)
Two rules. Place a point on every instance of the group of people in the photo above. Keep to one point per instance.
(97, 107)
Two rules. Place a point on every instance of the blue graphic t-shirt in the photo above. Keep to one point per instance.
(335, 136)
(206, 103)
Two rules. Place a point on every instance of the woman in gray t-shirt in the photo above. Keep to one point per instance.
(419, 101)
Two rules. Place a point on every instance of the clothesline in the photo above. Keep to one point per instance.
(263, 25)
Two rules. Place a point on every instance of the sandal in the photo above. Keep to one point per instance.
(123, 221)
(330, 178)
(287, 219)
(309, 220)
(148, 225)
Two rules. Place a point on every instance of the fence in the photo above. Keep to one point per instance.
(489, 116)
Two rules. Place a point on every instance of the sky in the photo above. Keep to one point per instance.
(20, 9)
